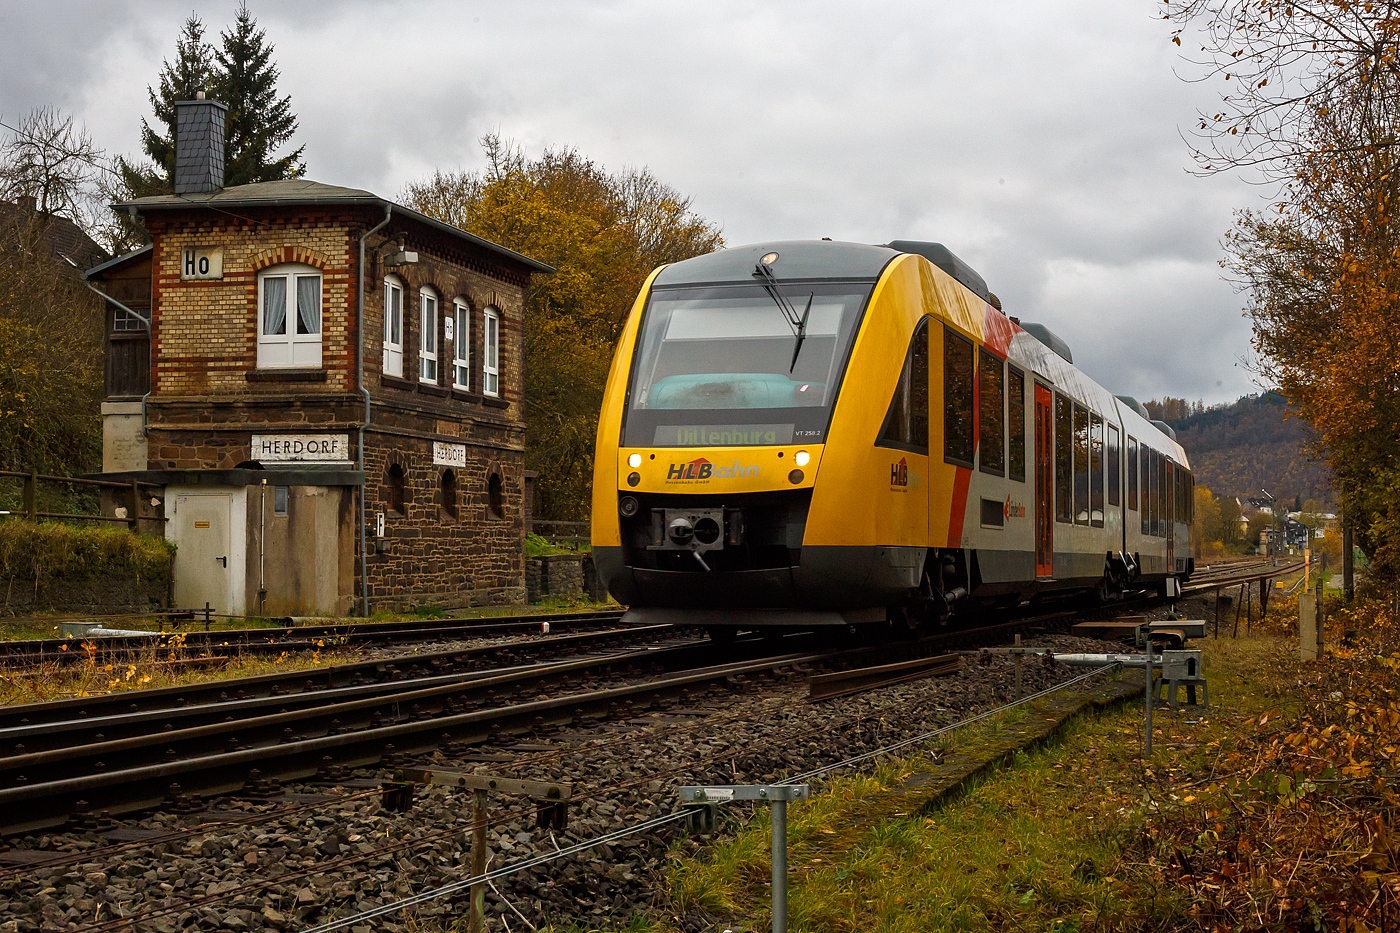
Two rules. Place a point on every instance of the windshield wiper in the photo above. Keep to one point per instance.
(764, 273)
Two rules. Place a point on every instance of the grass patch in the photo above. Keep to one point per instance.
(150, 670)
(1047, 841)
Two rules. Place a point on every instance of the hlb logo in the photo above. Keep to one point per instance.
(702, 469)
(695, 469)
(899, 473)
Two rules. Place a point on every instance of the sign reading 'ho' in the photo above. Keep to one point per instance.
(450, 455)
(202, 263)
(301, 448)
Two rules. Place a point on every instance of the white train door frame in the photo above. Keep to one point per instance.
(209, 530)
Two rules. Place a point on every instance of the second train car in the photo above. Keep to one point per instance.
(826, 433)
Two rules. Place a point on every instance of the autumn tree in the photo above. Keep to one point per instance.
(604, 232)
(50, 353)
(1313, 102)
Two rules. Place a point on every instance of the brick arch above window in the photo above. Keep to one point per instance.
(277, 255)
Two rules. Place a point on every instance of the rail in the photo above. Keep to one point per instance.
(29, 497)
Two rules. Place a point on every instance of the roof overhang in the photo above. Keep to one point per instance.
(343, 197)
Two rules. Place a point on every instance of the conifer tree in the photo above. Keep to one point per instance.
(191, 72)
(258, 121)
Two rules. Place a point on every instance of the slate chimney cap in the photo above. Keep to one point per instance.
(199, 146)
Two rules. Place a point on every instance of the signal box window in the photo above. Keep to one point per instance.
(289, 318)
(991, 377)
(1064, 459)
(491, 351)
(449, 493)
(1115, 468)
(397, 496)
(906, 422)
(958, 427)
(461, 346)
(1095, 471)
(1081, 465)
(393, 327)
(427, 336)
(1016, 423)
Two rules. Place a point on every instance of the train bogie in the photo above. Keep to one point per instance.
(830, 433)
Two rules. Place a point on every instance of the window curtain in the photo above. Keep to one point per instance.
(308, 304)
(274, 306)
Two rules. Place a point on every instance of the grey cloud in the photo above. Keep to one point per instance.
(1040, 141)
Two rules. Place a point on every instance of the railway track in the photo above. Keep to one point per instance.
(300, 638)
(137, 750)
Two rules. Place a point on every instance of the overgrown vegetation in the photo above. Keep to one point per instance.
(1272, 811)
(1311, 99)
(166, 663)
(47, 552)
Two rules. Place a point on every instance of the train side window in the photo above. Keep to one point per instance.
(991, 402)
(1081, 465)
(958, 429)
(1154, 492)
(1064, 459)
(1095, 470)
(1115, 469)
(1016, 423)
(1164, 492)
(1132, 473)
(906, 422)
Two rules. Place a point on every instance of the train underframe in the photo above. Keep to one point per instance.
(739, 561)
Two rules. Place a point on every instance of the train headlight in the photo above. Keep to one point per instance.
(633, 479)
(628, 506)
(795, 477)
(634, 460)
(802, 458)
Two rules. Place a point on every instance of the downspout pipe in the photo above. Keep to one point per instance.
(364, 390)
(150, 344)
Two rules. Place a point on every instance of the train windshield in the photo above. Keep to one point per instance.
(714, 367)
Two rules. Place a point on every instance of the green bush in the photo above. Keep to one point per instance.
(49, 551)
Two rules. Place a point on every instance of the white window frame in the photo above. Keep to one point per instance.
(393, 320)
(290, 350)
(462, 346)
(491, 352)
(427, 336)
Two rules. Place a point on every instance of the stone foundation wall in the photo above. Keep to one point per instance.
(565, 576)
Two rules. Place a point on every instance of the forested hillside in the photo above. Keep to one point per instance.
(1249, 445)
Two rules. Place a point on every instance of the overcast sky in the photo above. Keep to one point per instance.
(1041, 142)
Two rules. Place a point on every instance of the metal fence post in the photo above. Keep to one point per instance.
(1151, 698)
(476, 923)
(701, 800)
(780, 873)
(31, 495)
(135, 505)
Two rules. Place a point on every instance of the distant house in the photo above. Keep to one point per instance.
(329, 390)
(66, 241)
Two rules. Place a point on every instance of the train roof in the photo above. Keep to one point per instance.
(797, 259)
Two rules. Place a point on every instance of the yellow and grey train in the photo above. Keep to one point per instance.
(824, 433)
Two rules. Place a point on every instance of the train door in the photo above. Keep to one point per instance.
(1170, 508)
(1044, 483)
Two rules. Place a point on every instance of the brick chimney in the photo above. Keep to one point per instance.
(199, 145)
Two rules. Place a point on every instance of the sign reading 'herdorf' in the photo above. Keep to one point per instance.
(313, 448)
